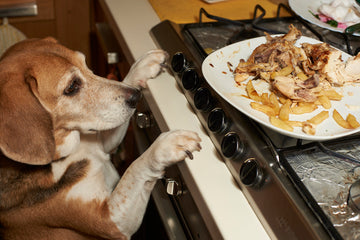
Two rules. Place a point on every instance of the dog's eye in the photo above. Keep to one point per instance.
(73, 87)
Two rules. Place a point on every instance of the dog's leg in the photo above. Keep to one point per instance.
(148, 66)
(130, 197)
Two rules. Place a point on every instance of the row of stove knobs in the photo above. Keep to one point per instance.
(250, 173)
(231, 146)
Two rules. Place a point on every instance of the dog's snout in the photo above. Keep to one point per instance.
(133, 96)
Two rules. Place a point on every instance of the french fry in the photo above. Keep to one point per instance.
(340, 120)
(274, 102)
(309, 128)
(282, 72)
(324, 101)
(319, 118)
(302, 108)
(332, 94)
(351, 119)
(280, 124)
(265, 99)
(282, 100)
(302, 76)
(285, 110)
(295, 123)
(263, 108)
(252, 92)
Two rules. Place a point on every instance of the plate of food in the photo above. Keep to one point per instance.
(335, 15)
(293, 84)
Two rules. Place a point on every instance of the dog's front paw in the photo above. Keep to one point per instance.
(172, 147)
(147, 67)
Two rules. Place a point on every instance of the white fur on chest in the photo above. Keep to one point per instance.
(101, 176)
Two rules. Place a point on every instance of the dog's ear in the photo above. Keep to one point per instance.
(26, 132)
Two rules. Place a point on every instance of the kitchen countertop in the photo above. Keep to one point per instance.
(224, 208)
(188, 10)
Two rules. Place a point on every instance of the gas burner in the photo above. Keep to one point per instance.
(246, 33)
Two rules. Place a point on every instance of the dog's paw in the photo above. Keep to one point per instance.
(148, 66)
(175, 146)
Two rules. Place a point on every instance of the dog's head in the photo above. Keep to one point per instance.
(48, 96)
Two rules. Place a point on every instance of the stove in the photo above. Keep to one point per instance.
(298, 189)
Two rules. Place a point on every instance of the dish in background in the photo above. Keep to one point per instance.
(305, 8)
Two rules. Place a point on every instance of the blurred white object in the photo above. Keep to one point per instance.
(9, 35)
(341, 11)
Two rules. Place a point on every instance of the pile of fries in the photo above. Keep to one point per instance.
(279, 108)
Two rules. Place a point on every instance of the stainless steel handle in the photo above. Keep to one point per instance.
(143, 120)
(173, 187)
(108, 43)
(19, 10)
(168, 213)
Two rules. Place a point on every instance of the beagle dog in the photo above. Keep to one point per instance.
(58, 124)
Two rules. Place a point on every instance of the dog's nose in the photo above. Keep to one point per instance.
(133, 96)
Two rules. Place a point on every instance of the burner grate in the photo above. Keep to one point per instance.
(233, 31)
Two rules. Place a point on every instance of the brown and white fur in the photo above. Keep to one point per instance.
(58, 123)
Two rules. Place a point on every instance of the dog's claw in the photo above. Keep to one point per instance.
(164, 65)
(190, 155)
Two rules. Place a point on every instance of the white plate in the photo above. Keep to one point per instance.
(303, 8)
(217, 73)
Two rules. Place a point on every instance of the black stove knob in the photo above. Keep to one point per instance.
(251, 173)
(217, 121)
(203, 100)
(178, 62)
(190, 79)
(232, 146)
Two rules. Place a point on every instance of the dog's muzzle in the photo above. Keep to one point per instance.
(133, 96)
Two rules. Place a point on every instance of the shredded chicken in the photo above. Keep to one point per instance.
(298, 73)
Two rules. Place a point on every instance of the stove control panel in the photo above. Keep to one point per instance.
(242, 144)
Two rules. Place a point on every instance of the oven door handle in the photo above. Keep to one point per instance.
(167, 213)
(108, 43)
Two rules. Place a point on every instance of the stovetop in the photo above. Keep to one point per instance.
(211, 36)
(298, 189)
